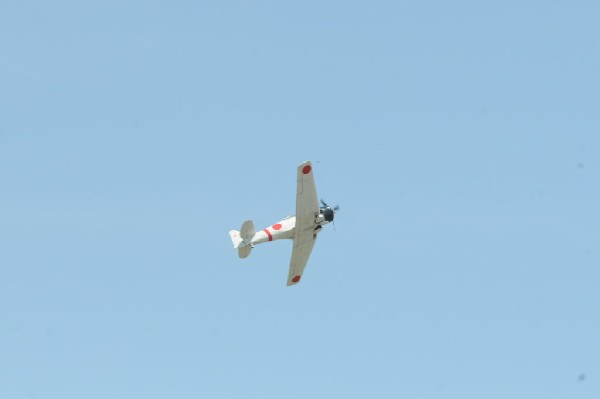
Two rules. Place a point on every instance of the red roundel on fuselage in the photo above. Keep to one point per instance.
(276, 226)
(306, 169)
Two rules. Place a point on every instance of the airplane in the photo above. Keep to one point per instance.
(302, 228)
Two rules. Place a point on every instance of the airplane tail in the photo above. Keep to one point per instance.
(242, 239)
(236, 238)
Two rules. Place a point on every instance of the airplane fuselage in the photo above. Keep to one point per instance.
(285, 229)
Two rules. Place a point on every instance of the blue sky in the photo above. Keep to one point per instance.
(461, 140)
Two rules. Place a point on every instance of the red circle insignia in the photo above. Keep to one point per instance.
(276, 226)
(296, 279)
(306, 169)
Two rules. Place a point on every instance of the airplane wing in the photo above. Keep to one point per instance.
(300, 255)
(307, 207)
(307, 204)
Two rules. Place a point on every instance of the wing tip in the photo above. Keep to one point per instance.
(295, 280)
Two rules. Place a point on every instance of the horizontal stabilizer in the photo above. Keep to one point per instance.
(242, 240)
(247, 231)
(243, 252)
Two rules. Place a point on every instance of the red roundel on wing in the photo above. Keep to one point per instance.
(296, 279)
(276, 226)
(306, 169)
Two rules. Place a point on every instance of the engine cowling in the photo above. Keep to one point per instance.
(328, 214)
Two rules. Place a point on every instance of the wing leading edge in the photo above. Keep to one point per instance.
(307, 207)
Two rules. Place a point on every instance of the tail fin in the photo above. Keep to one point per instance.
(236, 238)
(242, 239)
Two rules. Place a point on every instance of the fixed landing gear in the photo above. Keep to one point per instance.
(316, 230)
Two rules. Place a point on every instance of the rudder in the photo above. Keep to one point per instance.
(235, 238)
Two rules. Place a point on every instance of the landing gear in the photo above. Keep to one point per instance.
(316, 230)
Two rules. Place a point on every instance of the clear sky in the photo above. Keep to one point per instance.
(461, 139)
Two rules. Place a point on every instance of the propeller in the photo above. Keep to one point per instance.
(334, 209)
